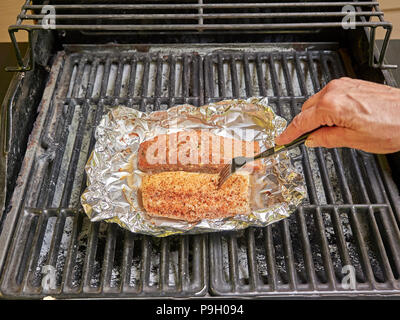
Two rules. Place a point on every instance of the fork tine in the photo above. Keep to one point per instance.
(224, 174)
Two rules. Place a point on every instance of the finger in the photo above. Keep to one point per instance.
(313, 100)
(304, 122)
(336, 137)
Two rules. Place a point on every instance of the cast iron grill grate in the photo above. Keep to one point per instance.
(347, 218)
(96, 258)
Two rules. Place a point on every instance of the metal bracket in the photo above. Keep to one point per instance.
(381, 58)
(20, 61)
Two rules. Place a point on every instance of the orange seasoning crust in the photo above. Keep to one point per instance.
(194, 196)
(194, 151)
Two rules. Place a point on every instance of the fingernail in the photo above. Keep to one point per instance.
(310, 143)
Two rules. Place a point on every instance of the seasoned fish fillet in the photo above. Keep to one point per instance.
(194, 196)
(194, 151)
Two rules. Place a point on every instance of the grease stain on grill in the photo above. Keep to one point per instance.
(243, 266)
(63, 250)
(96, 268)
(135, 268)
(173, 274)
(154, 246)
(262, 267)
(98, 81)
(81, 247)
(111, 79)
(298, 250)
(44, 250)
(116, 271)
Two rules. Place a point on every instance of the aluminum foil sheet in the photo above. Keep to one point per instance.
(114, 180)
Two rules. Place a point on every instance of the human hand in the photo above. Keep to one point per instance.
(355, 114)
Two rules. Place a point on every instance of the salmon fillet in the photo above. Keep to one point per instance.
(195, 151)
(194, 196)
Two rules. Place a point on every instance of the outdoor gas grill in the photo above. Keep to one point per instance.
(152, 55)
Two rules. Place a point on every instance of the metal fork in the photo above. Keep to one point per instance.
(239, 162)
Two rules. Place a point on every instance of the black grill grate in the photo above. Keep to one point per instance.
(88, 259)
(96, 258)
(346, 220)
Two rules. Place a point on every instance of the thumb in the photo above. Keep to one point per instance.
(333, 137)
(305, 121)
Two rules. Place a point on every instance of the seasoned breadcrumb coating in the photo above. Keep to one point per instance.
(194, 196)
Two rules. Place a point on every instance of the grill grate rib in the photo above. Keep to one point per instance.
(346, 220)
